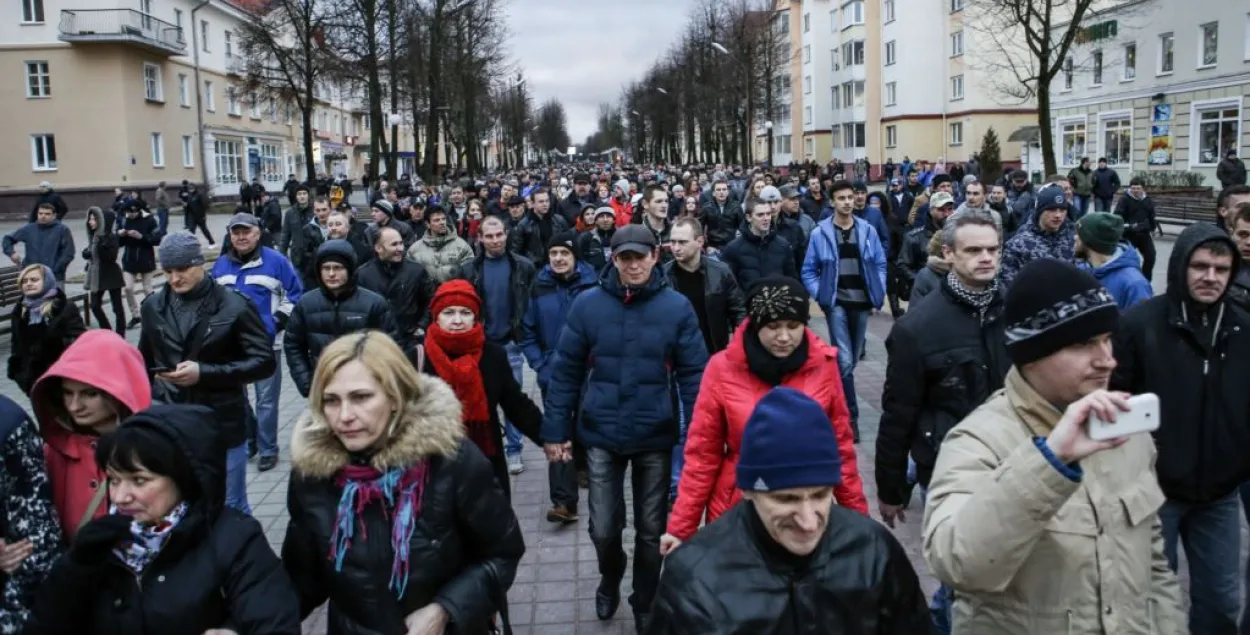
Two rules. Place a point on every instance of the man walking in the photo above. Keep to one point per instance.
(46, 242)
(1106, 186)
(196, 212)
(1049, 233)
(628, 343)
(405, 285)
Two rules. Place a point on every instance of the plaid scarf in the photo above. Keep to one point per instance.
(979, 300)
(146, 541)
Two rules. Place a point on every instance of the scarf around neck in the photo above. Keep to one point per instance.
(979, 300)
(400, 492)
(147, 541)
(34, 304)
(771, 369)
(456, 358)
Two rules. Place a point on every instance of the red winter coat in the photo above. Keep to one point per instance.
(624, 211)
(727, 396)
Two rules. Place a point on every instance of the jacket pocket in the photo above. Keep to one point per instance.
(1142, 502)
(953, 381)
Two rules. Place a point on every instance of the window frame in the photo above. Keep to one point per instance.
(1195, 127)
(157, 147)
(957, 38)
(1114, 117)
(49, 152)
(807, 53)
(807, 22)
(891, 136)
(891, 52)
(1097, 67)
(1166, 53)
(204, 36)
(188, 151)
(184, 90)
(957, 80)
(1202, 46)
(957, 6)
(1069, 74)
(856, 10)
(953, 128)
(807, 84)
(807, 115)
(232, 102)
(155, 92)
(33, 12)
(887, 11)
(210, 102)
(42, 79)
(229, 43)
(1128, 71)
(1061, 132)
(891, 94)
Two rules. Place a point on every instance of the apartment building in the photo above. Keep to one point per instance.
(817, 58)
(1156, 85)
(127, 93)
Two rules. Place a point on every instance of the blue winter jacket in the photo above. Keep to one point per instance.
(268, 279)
(51, 245)
(546, 314)
(820, 266)
(627, 346)
(1122, 276)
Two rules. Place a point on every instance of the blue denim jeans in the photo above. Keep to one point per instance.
(162, 220)
(679, 450)
(236, 478)
(268, 392)
(944, 598)
(1211, 533)
(1245, 509)
(512, 436)
(1082, 205)
(849, 331)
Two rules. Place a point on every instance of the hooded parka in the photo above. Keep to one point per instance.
(103, 272)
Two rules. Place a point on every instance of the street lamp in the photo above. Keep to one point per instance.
(661, 90)
(720, 47)
(485, 153)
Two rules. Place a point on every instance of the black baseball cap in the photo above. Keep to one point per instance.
(516, 200)
(633, 238)
(581, 177)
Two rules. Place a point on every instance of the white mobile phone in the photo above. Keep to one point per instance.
(1142, 416)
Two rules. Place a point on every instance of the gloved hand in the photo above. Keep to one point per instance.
(96, 539)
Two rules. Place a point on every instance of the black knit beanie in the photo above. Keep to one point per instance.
(1052, 305)
(777, 298)
(566, 239)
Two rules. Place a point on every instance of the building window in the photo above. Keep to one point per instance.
(854, 12)
(888, 10)
(1218, 131)
(270, 165)
(1165, 54)
(957, 87)
(286, 118)
(232, 101)
(891, 93)
(229, 161)
(807, 115)
(809, 147)
(833, 21)
(835, 137)
(957, 5)
(807, 85)
(957, 133)
(32, 11)
(807, 22)
(861, 136)
(858, 49)
(158, 150)
(889, 52)
(43, 152)
(957, 43)
(254, 106)
(1117, 141)
(184, 91)
(1097, 61)
(781, 144)
(368, 119)
(1209, 44)
(1130, 62)
(188, 151)
(807, 54)
(229, 44)
(891, 136)
(273, 110)
(204, 35)
(1067, 74)
(211, 102)
(859, 94)
(1072, 142)
(848, 95)
(152, 83)
(38, 81)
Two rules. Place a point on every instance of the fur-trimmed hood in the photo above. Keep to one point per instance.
(429, 425)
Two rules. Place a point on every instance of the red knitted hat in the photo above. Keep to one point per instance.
(456, 293)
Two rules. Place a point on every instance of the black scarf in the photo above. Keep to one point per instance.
(768, 367)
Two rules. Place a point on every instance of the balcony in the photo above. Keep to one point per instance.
(121, 26)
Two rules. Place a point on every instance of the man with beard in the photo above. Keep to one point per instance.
(595, 245)
(914, 253)
(405, 285)
(1049, 233)
(578, 199)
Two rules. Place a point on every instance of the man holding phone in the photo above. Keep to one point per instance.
(1190, 347)
(1037, 527)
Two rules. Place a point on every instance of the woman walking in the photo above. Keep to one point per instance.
(104, 275)
(44, 324)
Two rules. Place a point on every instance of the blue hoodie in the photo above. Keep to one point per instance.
(1122, 276)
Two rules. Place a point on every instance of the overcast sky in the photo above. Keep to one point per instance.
(584, 52)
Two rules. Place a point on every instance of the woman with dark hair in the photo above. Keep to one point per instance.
(774, 347)
(170, 557)
(44, 324)
(420, 536)
(456, 351)
(104, 275)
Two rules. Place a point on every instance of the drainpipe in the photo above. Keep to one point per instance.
(199, 98)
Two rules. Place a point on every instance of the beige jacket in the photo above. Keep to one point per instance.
(1029, 551)
(441, 256)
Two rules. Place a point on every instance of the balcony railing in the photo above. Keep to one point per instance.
(121, 26)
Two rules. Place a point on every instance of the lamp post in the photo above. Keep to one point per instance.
(485, 153)
(393, 120)
(768, 128)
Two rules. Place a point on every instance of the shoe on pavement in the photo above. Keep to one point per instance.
(563, 514)
(267, 463)
(515, 465)
(134, 321)
(608, 599)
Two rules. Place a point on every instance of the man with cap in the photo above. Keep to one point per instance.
(562, 279)
(787, 560)
(1049, 233)
(270, 281)
(203, 343)
(785, 226)
(50, 196)
(914, 253)
(595, 246)
(1022, 198)
(627, 345)
(337, 306)
(1114, 263)
(576, 201)
(1037, 527)
(1189, 347)
(291, 242)
(844, 271)
(792, 210)
(382, 212)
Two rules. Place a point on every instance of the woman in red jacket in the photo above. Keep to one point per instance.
(772, 348)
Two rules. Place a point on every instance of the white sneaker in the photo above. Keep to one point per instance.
(515, 466)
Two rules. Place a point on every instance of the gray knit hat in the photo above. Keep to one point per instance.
(180, 250)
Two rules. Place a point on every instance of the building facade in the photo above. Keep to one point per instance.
(1156, 85)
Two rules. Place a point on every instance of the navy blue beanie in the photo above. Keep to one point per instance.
(788, 443)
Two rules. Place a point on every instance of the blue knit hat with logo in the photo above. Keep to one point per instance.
(788, 443)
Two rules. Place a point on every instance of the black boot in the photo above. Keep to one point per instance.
(607, 598)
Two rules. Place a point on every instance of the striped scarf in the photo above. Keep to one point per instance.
(400, 492)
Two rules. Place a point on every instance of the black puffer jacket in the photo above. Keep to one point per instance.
(464, 549)
(944, 361)
(407, 288)
(522, 279)
(720, 222)
(320, 317)
(226, 337)
(216, 571)
(35, 347)
(595, 248)
(752, 257)
(527, 237)
(1197, 363)
(723, 300)
(732, 579)
(914, 254)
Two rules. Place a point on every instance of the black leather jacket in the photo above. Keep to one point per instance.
(407, 288)
(526, 238)
(732, 579)
(228, 339)
(944, 361)
(723, 300)
(523, 274)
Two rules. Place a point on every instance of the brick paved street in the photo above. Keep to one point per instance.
(555, 584)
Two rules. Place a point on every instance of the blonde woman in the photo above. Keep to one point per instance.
(420, 536)
(44, 324)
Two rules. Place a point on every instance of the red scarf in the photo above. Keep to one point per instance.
(456, 357)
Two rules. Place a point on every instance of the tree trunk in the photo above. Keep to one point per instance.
(1044, 127)
(433, 81)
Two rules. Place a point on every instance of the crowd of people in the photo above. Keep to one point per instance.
(667, 317)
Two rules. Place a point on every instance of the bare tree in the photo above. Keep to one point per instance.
(553, 129)
(1029, 41)
(358, 38)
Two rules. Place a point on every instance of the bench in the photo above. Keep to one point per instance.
(1183, 209)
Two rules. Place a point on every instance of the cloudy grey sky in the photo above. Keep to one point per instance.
(585, 51)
